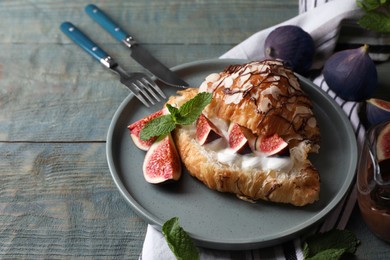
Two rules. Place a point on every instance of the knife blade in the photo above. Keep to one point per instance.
(137, 52)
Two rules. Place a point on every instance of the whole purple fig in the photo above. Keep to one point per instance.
(351, 74)
(292, 45)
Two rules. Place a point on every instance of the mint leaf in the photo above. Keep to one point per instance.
(158, 126)
(376, 15)
(192, 109)
(184, 115)
(179, 241)
(369, 5)
(375, 21)
(174, 111)
(330, 244)
(328, 254)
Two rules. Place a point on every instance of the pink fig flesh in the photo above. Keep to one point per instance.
(162, 162)
(136, 127)
(383, 144)
(271, 145)
(237, 139)
(377, 111)
(206, 131)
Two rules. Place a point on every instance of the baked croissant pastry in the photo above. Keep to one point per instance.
(265, 100)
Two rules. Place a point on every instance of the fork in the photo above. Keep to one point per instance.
(141, 85)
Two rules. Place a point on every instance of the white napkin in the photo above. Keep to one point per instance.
(322, 19)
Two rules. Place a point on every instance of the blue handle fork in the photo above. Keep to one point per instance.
(139, 84)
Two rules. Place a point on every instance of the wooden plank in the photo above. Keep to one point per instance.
(58, 200)
(53, 91)
(151, 21)
(59, 93)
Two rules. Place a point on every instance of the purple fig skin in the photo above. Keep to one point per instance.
(351, 74)
(292, 45)
(377, 111)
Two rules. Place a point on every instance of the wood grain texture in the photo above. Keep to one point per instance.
(59, 93)
(57, 198)
(150, 21)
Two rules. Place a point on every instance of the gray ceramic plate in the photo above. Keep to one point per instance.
(219, 220)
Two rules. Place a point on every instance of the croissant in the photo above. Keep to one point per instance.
(264, 98)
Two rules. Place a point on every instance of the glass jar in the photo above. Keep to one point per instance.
(373, 182)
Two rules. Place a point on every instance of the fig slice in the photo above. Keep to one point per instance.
(377, 111)
(206, 131)
(237, 139)
(136, 127)
(271, 145)
(383, 144)
(162, 162)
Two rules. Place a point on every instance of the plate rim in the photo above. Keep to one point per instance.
(231, 243)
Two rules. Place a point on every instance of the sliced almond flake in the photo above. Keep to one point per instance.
(302, 110)
(228, 82)
(283, 73)
(274, 78)
(255, 95)
(294, 82)
(244, 78)
(263, 68)
(246, 86)
(312, 122)
(264, 104)
(290, 107)
(247, 70)
(204, 87)
(235, 98)
(218, 82)
(254, 67)
(213, 77)
(235, 75)
(272, 90)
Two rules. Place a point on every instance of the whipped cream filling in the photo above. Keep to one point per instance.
(220, 151)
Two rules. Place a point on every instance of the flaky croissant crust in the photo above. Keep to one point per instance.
(264, 97)
(299, 186)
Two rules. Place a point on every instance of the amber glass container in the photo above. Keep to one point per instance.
(373, 183)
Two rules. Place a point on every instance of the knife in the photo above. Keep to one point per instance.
(137, 52)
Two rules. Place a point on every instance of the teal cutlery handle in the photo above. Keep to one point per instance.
(104, 21)
(83, 41)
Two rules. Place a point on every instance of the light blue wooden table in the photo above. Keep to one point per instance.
(57, 198)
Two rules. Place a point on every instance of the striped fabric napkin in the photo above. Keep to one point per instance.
(324, 20)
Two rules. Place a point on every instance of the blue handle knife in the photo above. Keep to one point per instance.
(137, 52)
(99, 54)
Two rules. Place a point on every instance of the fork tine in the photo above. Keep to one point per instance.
(141, 88)
(142, 99)
(148, 87)
(154, 86)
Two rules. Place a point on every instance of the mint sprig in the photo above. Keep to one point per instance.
(333, 244)
(376, 15)
(330, 245)
(179, 241)
(184, 115)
